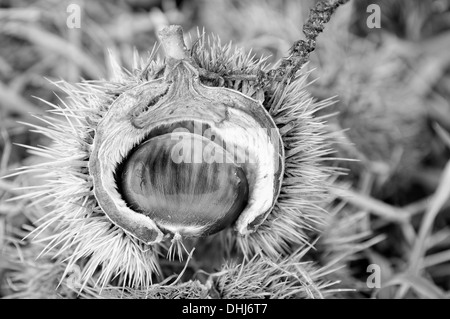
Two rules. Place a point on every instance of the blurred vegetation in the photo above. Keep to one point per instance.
(393, 90)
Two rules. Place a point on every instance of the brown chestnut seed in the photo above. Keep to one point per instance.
(179, 99)
(186, 183)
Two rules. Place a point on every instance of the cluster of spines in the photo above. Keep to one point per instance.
(79, 235)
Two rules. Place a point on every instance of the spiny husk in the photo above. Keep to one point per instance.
(347, 240)
(77, 237)
(386, 122)
(25, 275)
(282, 278)
(259, 277)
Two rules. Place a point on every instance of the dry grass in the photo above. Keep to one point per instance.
(393, 86)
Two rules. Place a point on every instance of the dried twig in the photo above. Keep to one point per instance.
(300, 51)
(373, 205)
(439, 199)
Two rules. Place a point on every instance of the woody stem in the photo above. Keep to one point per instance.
(171, 38)
(300, 51)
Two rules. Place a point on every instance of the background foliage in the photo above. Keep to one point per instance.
(392, 86)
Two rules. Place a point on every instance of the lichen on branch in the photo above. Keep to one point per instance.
(300, 51)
